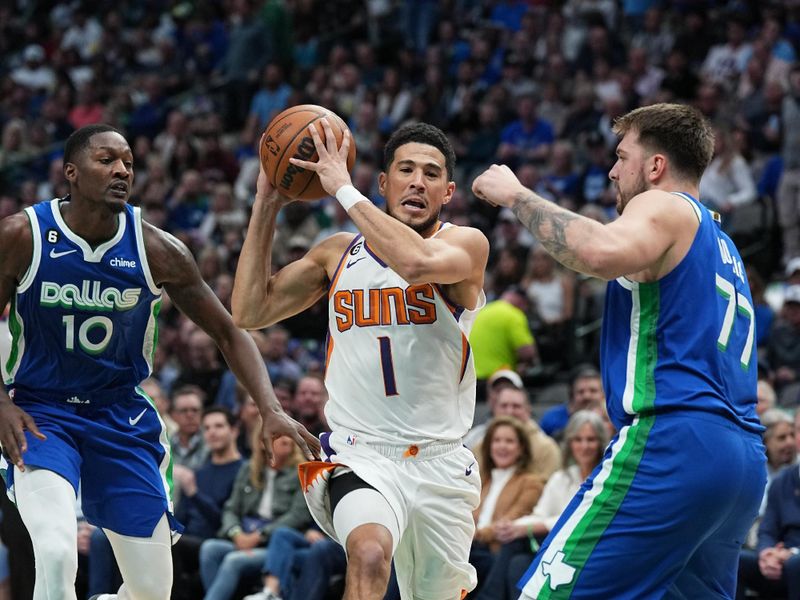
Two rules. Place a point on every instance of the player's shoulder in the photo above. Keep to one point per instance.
(471, 237)
(15, 232)
(332, 247)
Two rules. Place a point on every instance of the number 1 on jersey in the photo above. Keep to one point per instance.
(387, 366)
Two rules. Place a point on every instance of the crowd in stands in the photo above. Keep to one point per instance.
(533, 84)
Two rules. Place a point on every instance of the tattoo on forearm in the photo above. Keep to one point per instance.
(548, 222)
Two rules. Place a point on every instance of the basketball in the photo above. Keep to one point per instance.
(286, 137)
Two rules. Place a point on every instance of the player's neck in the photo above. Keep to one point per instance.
(95, 226)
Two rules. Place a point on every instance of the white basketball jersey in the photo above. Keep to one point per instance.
(399, 366)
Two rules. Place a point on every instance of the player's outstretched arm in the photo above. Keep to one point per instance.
(639, 239)
(174, 268)
(16, 248)
(260, 298)
(449, 258)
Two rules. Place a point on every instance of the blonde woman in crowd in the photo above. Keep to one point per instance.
(585, 439)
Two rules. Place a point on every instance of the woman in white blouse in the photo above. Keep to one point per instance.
(728, 182)
(585, 439)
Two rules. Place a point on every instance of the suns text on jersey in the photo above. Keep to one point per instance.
(91, 295)
(414, 305)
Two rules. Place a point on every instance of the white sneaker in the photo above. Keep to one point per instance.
(262, 595)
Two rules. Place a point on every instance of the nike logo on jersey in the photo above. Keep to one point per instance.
(54, 254)
(352, 262)
(468, 470)
(133, 421)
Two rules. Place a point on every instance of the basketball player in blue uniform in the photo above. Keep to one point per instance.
(84, 275)
(665, 513)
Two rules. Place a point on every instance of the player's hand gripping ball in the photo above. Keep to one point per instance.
(287, 136)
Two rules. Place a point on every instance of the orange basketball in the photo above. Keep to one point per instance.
(287, 136)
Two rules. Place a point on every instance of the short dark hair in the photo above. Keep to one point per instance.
(187, 390)
(78, 141)
(680, 132)
(422, 133)
(223, 410)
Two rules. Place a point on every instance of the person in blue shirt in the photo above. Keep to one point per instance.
(666, 511)
(85, 275)
(586, 392)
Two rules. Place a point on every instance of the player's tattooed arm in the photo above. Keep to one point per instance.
(557, 229)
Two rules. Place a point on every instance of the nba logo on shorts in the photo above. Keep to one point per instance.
(351, 440)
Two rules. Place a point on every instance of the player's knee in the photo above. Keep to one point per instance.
(369, 558)
(58, 557)
(150, 587)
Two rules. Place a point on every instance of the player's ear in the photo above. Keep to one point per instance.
(448, 195)
(382, 183)
(70, 172)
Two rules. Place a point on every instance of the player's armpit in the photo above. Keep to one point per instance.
(16, 249)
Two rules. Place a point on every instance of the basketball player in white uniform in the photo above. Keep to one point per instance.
(402, 296)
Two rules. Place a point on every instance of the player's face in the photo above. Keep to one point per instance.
(103, 172)
(416, 186)
(217, 433)
(585, 447)
(505, 449)
(628, 172)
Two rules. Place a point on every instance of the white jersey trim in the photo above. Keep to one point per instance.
(137, 226)
(89, 255)
(36, 255)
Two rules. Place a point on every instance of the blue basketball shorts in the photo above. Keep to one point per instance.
(663, 516)
(115, 446)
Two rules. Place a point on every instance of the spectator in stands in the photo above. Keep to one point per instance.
(764, 315)
(203, 365)
(788, 199)
(264, 498)
(766, 398)
(33, 74)
(727, 183)
(725, 62)
(501, 337)
(155, 392)
(527, 138)
(551, 291)
(309, 401)
(514, 402)
(271, 99)
(188, 447)
(203, 494)
(779, 440)
(783, 348)
(585, 439)
(586, 393)
(508, 488)
(773, 568)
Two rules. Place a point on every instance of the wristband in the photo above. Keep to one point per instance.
(348, 197)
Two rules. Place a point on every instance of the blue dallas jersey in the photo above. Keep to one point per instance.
(83, 319)
(686, 341)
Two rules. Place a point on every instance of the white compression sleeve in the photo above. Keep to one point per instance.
(46, 503)
(362, 506)
(145, 563)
